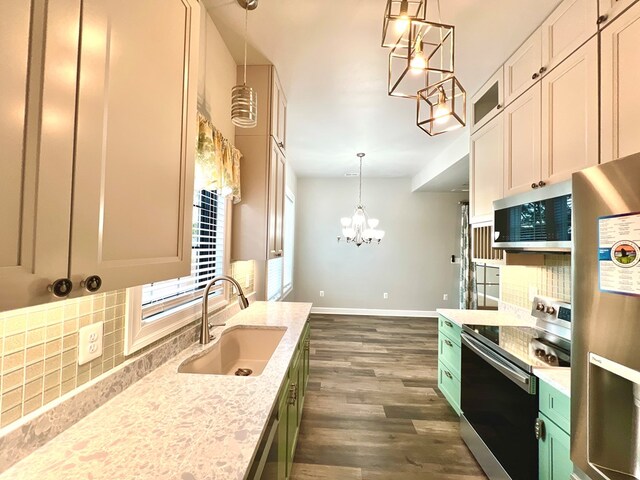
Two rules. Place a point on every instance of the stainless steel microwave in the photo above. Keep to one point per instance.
(536, 221)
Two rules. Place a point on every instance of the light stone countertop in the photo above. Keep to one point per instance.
(176, 426)
(558, 377)
(484, 317)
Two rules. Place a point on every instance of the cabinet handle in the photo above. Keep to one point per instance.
(535, 75)
(541, 183)
(448, 343)
(534, 185)
(61, 288)
(448, 323)
(293, 394)
(602, 19)
(542, 70)
(498, 106)
(92, 283)
(448, 375)
(281, 145)
(539, 429)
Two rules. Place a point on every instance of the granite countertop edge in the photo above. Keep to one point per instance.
(484, 317)
(558, 377)
(171, 425)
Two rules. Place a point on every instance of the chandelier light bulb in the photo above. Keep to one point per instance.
(402, 22)
(345, 221)
(442, 111)
(373, 222)
(418, 61)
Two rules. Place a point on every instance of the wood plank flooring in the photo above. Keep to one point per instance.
(373, 410)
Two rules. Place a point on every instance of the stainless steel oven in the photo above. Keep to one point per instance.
(499, 402)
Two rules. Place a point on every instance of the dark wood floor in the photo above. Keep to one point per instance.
(373, 410)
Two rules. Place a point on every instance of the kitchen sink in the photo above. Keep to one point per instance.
(240, 351)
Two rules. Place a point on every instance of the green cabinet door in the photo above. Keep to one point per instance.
(554, 451)
(293, 405)
(282, 436)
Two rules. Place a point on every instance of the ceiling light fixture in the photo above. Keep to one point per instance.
(359, 228)
(442, 107)
(397, 19)
(244, 100)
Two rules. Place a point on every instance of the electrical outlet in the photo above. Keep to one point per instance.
(322, 293)
(90, 342)
(445, 296)
(385, 295)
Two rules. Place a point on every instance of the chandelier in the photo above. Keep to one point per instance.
(359, 228)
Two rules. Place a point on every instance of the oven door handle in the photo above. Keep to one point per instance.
(520, 379)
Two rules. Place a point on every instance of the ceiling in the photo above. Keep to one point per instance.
(453, 179)
(334, 73)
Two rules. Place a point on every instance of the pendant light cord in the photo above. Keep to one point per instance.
(360, 195)
(246, 22)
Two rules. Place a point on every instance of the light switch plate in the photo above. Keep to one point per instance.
(90, 342)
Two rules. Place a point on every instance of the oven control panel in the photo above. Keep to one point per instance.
(551, 310)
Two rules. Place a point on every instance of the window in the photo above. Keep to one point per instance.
(159, 308)
(280, 270)
(487, 279)
(289, 233)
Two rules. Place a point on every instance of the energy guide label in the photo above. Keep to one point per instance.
(619, 253)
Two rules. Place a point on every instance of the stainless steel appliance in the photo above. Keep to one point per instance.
(605, 440)
(539, 220)
(499, 397)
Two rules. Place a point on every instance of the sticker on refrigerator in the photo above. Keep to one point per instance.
(619, 253)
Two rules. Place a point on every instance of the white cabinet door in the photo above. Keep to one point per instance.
(570, 25)
(36, 145)
(620, 95)
(570, 115)
(522, 139)
(488, 101)
(522, 69)
(608, 10)
(135, 141)
(278, 113)
(486, 163)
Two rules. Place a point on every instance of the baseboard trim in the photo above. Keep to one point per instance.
(377, 312)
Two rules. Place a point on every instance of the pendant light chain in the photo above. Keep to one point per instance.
(360, 176)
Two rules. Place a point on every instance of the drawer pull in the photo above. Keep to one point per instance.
(448, 342)
(448, 323)
(539, 429)
(448, 375)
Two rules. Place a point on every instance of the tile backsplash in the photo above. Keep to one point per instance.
(39, 346)
(551, 280)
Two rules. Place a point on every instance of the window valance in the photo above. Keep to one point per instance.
(217, 161)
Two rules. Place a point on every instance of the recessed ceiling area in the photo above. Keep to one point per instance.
(334, 74)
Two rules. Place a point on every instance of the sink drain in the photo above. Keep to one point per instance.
(243, 372)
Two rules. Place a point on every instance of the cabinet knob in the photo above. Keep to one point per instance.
(542, 70)
(535, 75)
(498, 106)
(534, 185)
(539, 429)
(602, 19)
(92, 283)
(541, 183)
(61, 288)
(281, 145)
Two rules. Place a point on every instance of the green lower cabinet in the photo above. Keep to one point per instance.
(449, 385)
(449, 361)
(293, 414)
(283, 406)
(554, 451)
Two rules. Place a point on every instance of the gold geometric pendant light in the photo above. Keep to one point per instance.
(442, 107)
(427, 56)
(398, 14)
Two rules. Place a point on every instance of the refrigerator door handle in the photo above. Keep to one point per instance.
(497, 362)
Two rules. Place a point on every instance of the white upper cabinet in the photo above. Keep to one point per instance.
(522, 140)
(278, 113)
(620, 96)
(570, 115)
(135, 141)
(37, 98)
(488, 101)
(608, 10)
(486, 163)
(570, 25)
(97, 133)
(522, 69)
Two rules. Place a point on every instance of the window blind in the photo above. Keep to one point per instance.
(207, 259)
(274, 279)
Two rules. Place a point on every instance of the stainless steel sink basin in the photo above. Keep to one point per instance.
(240, 351)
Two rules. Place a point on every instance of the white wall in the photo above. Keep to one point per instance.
(412, 263)
(216, 77)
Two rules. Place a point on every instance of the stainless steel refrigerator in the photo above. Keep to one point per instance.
(605, 384)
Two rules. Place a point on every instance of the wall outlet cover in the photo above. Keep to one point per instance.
(90, 342)
(322, 293)
(445, 296)
(385, 295)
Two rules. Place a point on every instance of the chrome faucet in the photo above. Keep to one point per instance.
(205, 334)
